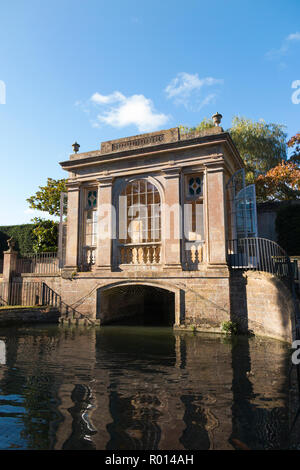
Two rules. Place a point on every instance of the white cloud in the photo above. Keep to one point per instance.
(209, 99)
(284, 48)
(293, 37)
(186, 87)
(107, 99)
(121, 111)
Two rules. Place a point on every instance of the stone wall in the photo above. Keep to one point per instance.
(14, 316)
(203, 299)
(262, 303)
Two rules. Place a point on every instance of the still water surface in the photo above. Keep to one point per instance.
(140, 388)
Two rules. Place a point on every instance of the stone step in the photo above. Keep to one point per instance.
(63, 320)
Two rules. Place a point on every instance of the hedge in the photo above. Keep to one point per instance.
(22, 234)
(288, 228)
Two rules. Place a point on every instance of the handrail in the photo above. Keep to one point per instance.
(38, 263)
(260, 254)
(53, 299)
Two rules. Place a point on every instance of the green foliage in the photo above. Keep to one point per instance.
(288, 228)
(47, 199)
(45, 235)
(230, 328)
(294, 144)
(262, 146)
(204, 124)
(22, 234)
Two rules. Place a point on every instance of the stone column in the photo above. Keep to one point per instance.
(9, 263)
(105, 223)
(215, 200)
(72, 225)
(172, 233)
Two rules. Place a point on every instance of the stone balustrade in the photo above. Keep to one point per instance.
(141, 254)
(89, 257)
(193, 254)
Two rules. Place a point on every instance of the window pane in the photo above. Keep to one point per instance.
(141, 212)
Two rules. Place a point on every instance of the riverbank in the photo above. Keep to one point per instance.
(18, 315)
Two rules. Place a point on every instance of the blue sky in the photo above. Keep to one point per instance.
(97, 70)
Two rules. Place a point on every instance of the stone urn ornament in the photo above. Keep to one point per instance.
(217, 119)
(11, 244)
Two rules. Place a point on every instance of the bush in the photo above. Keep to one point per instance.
(45, 235)
(288, 228)
(21, 233)
(230, 328)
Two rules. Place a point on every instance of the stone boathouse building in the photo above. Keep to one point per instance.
(159, 229)
(147, 225)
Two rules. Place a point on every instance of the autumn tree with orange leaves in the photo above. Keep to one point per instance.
(282, 183)
(295, 142)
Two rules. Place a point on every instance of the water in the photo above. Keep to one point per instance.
(141, 388)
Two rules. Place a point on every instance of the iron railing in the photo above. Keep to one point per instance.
(40, 263)
(28, 294)
(20, 293)
(258, 254)
(67, 312)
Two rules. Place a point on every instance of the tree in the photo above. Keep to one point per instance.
(281, 183)
(262, 146)
(204, 124)
(45, 235)
(295, 142)
(47, 199)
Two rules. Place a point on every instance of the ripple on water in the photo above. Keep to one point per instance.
(141, 388)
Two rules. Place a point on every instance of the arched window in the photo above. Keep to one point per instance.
(140, 213)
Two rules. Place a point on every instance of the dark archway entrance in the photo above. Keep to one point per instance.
(136, 305)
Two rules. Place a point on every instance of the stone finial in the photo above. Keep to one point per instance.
(217, 119)
(76, 147)
(11, 244)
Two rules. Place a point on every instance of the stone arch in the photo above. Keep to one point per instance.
(121, 184)
(119, 187)
(163, 286)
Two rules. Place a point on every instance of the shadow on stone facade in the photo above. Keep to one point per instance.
(238, 300)
(262, 304)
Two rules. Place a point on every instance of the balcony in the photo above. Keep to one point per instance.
(194, 254)
(88, 258)
(140, 254)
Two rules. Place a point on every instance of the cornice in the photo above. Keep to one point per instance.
(198, 142)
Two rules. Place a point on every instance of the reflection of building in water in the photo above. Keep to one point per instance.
(115, 390)
(260, 401)
(2, 352)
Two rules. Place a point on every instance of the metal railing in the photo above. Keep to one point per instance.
(258, 254)
(19, 293)
(28, 294)
(40, 263)
(68, 313)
